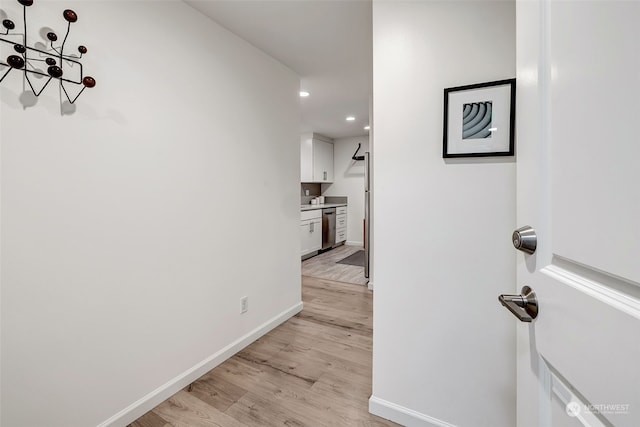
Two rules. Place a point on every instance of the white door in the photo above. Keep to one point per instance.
(578, 130)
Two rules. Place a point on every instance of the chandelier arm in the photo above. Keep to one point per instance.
(54, 49)
(26, 76)
(5, 74)
(67, 94)
(42, 89)
(64, 41)
(24, 37)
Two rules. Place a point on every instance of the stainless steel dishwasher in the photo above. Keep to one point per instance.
(328, 227)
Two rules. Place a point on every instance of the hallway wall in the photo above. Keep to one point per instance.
(129, 228)
(444, 348)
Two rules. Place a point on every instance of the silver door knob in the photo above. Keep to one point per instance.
(525, 239)
(523, 306)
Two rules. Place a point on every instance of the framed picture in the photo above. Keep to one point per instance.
(479, 120)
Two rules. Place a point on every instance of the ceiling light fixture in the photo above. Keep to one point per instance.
(350, 118)
(367, 127)
(304, 94)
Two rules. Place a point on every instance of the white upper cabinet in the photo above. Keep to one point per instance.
(316, 158)
(322, 161)
(306, 158)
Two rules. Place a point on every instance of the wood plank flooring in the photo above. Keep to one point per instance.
(325, 266)
(313, 370)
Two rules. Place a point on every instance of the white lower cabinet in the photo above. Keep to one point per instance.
(310, 231)
(341, 224)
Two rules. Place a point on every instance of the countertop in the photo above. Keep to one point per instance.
(322, 206)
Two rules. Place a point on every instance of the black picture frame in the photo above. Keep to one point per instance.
(466, 112)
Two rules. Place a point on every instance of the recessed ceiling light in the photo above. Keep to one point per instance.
(304, 94)
(367, 127)
(350, 118)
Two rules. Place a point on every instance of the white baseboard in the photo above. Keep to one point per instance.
(352, 243)
(401, 415)
(162, 393)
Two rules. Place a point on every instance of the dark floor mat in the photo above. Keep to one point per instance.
(356, 258)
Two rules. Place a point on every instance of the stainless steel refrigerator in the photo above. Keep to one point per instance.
(367, 214)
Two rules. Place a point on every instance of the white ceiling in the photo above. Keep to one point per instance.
(328, 43)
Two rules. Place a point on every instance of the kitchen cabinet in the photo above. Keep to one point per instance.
(316, 158)
(322, 161)
(310, 231)
(341, 224)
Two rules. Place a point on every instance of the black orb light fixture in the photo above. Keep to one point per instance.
(25, 57)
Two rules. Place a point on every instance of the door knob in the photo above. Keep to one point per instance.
(523, 306)
(525, 239)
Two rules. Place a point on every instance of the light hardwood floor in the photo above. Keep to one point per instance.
(325, 266)
(313, 370)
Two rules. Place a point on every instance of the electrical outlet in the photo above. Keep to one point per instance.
(244, 304)
(306, 192)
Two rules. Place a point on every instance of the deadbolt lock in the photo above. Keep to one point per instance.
(524, 239)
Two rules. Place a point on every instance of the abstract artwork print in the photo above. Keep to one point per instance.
(476, 120)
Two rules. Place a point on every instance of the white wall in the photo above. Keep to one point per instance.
(444, 348)
(130, 229)
(349, 181)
